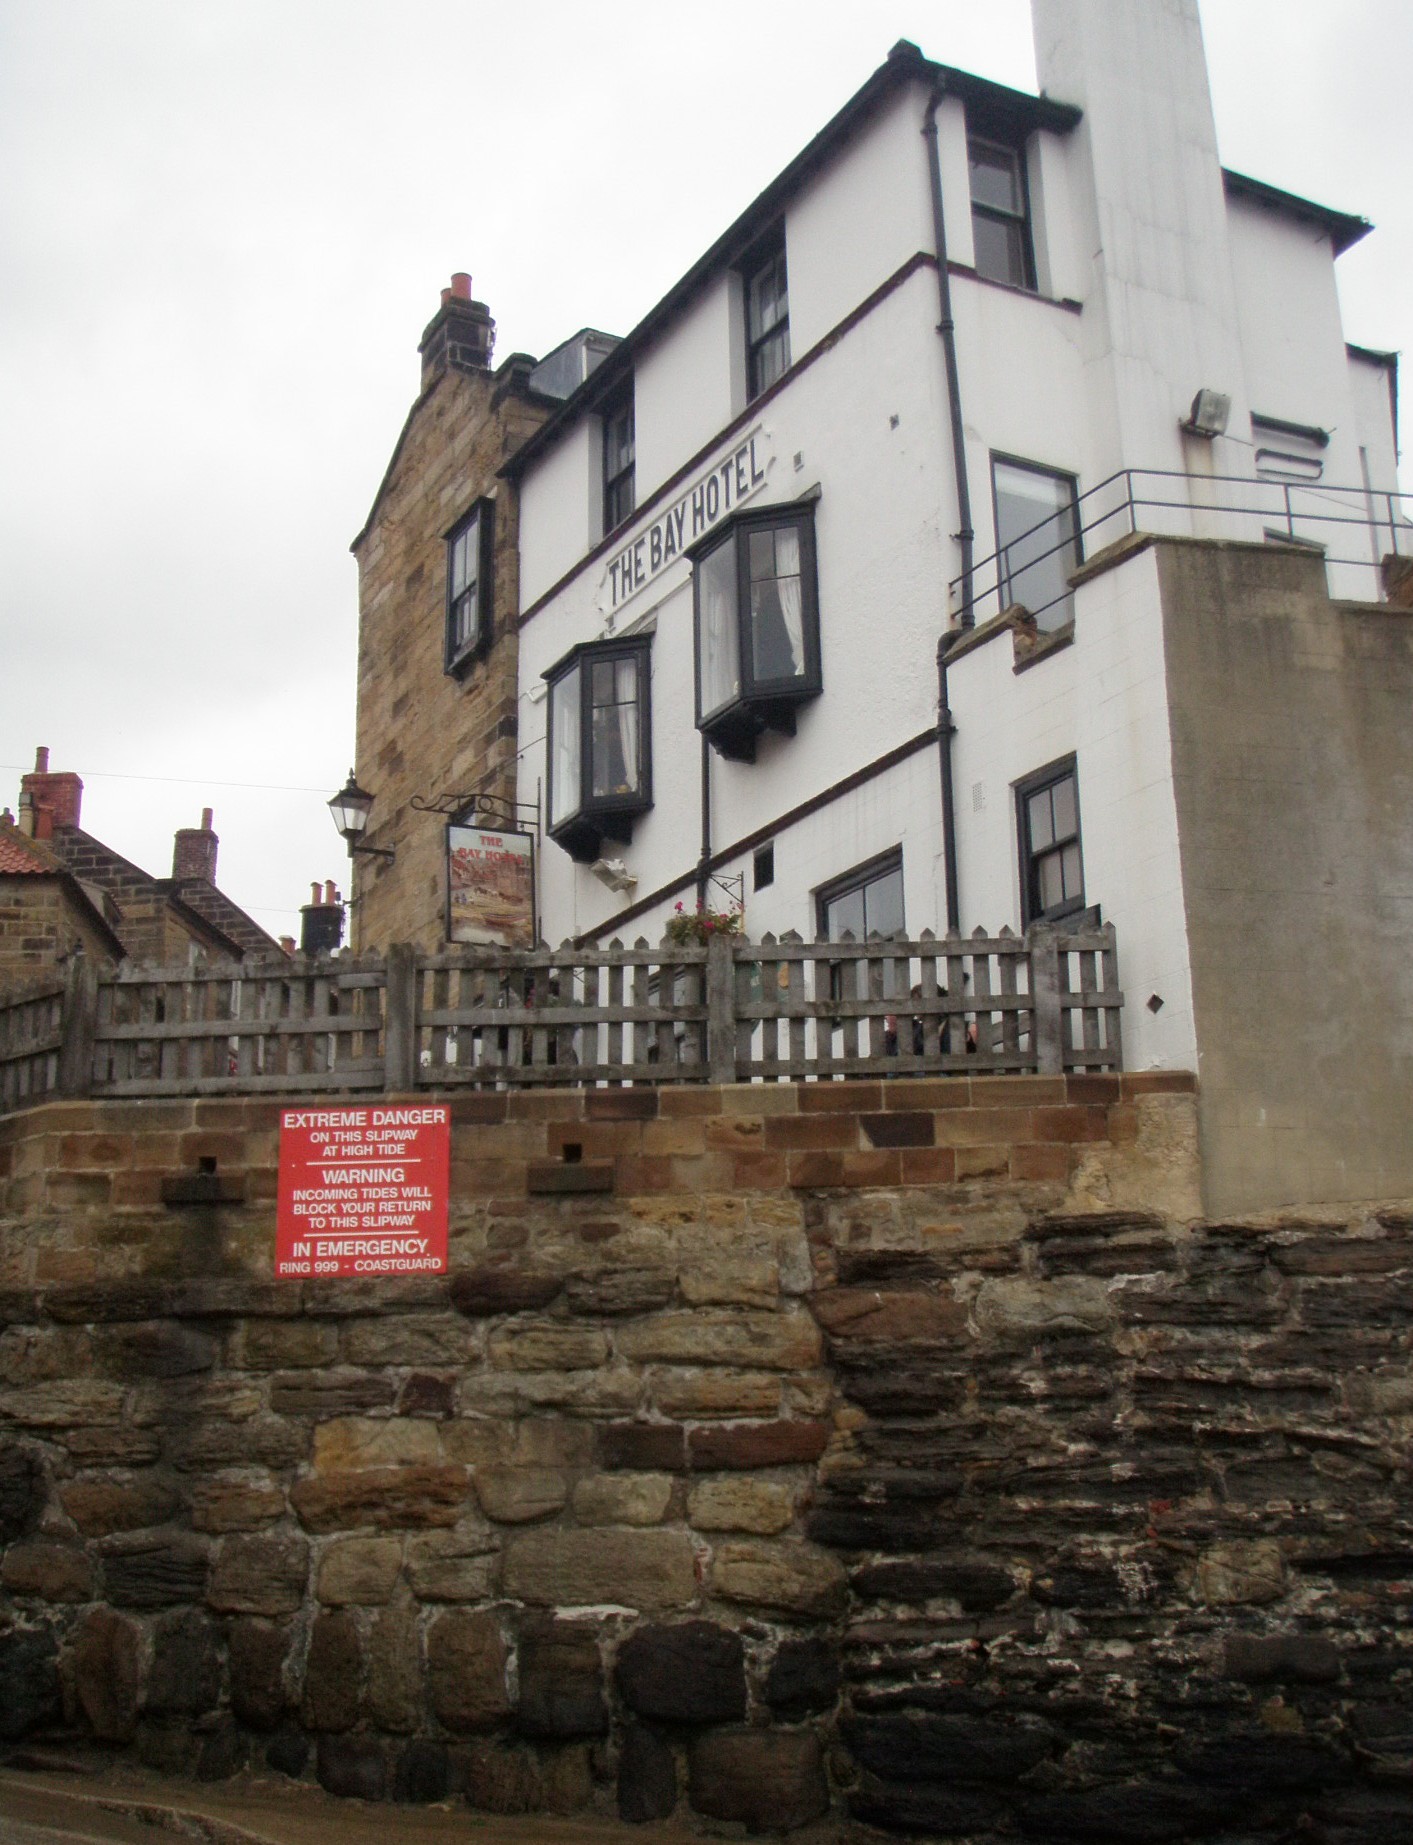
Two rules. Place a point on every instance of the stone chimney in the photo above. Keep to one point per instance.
(48, 799)
(321, 920)
(194, 851)
(460, 336)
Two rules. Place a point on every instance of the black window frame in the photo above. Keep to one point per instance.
(1041, 781)
(995, 139)
(765, 347)
(620, 489)
(1004, 574)
(581, 831)
(758, 703)
(463, 649)
(871, 871)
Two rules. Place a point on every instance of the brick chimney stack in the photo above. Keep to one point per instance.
(194, 851)
(460, 336)
(48, 799)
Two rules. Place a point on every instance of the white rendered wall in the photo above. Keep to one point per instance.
(559, 519)
(1373, 410)
(1160, 317)
(864, 424)
(859, 220)
(1103, 700)
(682, 386)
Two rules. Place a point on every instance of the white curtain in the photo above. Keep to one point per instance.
(564, 732)
(787, 564)
(626, 689)
(720, 678)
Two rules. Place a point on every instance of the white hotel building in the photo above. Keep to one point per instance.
(747, 586)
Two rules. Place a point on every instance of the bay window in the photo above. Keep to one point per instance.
(600, 767)
(757, 627)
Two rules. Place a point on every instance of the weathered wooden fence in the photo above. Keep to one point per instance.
(727, 1011)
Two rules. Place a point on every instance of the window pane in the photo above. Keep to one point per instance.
(777, 604)
(1066, 820)
(718, 667)
(1052, 881)
(615, 729)
(1000, 249)
(1072, 876)
(766, 297)
(564, 746)
(1042, 832)
(845, 915)
(883, 903)
(1036, 540)
(995, 177)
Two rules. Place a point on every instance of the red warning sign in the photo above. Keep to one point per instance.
(363, 1190)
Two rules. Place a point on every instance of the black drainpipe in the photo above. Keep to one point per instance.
(704, 862)
(946, 326)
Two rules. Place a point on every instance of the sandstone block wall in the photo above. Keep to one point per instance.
(714, 1481)
(421, 732)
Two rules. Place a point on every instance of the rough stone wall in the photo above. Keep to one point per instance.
(1293, 775)
(40, 926)
(715, 1480)
(420, 731)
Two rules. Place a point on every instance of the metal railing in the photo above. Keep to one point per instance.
(1347, 525)
(729, 1010)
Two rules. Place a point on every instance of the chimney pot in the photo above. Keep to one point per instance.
(41, 759)
(314, 891)
(330, 894)
(206, 819)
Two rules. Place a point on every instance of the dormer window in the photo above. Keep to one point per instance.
(619, 459)
(469, 586)
(600, 744)
(757, 627)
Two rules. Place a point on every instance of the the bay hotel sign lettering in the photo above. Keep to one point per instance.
(729, 484)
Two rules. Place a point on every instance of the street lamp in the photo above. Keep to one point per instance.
(350, 808)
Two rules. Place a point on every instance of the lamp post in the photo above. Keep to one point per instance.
(350, 809)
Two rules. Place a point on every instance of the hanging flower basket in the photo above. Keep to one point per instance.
(698, 926)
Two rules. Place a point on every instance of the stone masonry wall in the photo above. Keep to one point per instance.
(769, 1455)
(420, 731)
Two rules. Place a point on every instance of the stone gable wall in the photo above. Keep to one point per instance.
(716, 1480)
(420, 731)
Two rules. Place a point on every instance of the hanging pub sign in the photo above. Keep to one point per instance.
(363, 1190)
(490, 885)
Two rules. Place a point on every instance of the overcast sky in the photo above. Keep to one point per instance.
(224, 224)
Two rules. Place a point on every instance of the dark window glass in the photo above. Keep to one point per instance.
(1052, 867)
(468, 585)
(1037, 539)
(764, 868)
(767, 321)
(619, 449)
(1000, 213)
(867, 902)
(615, 769)
(600, 764)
